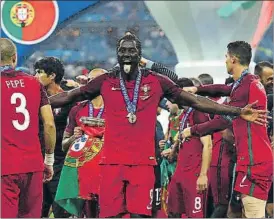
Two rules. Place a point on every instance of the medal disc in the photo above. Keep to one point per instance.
(132, 118)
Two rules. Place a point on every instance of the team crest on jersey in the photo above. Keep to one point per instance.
(24, 21)
(260, 86)
(146, 88)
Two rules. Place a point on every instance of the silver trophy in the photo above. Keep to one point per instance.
(93, 122)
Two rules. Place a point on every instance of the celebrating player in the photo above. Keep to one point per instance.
(254, 156)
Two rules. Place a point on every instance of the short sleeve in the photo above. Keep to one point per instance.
(171, 90)
(72, 120)
(44, 97)
(257, 93)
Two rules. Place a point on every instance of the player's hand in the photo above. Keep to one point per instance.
(82, 79)
(186, 133)
(72, 83)
(201, 183)
(48, 173)
(252, 115)
(162, 144)
(143, 62)
(166, 152)
(192, 90)
(172, 154)
(77, 132)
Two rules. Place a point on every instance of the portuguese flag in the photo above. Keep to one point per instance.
(29, 21)
(80, 176)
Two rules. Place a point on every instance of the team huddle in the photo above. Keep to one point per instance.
(96, 149)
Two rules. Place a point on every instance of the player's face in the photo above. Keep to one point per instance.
(128, 56)
(44, 79)
(267, 79)
(228, 63)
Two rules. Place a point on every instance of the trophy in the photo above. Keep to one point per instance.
(93, 122)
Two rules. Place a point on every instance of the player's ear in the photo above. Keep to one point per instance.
(52, 76)
(14, 59)
(233, 59)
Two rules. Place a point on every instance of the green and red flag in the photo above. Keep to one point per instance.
(29, 22)
(80, 177)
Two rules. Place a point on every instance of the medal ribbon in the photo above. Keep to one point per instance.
(90, 109)
(183, 121)
(237, 83)
(131, 105)
(5, 68)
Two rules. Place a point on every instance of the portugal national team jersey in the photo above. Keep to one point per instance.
(251, 140)
(126, 143)
(21, 98)
(190, 154)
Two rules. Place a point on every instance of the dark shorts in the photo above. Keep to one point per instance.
(22, 195)
(156, 203)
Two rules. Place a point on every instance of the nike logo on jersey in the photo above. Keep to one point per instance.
(194, 211)
(115, 88)
(241, 183)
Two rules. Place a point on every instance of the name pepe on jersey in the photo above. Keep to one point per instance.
(15, 83)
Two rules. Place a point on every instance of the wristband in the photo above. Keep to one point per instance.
(49, 159)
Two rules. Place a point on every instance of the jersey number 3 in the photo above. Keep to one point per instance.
(20, 109)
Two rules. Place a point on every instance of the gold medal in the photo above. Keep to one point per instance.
(132, 118)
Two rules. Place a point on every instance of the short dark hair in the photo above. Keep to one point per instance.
(184, 82)
(259, 67)
(206, 78)
(131, 37)
(51, 65)
(196, 82)
(242, 50)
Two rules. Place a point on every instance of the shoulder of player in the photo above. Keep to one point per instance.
(254, 81)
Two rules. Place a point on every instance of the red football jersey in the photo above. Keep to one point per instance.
(22, 97)
(251, 140)
(190, 154)
(125, 143)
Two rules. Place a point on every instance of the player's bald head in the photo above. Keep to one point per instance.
(96, 72)
(8, 51)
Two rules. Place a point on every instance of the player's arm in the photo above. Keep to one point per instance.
(159, 68)
(87, 92)
(68, 136)
(49, 134)
(67, 141)
(213, 90)
(49, 128)
(202, 104)
(202, 181)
